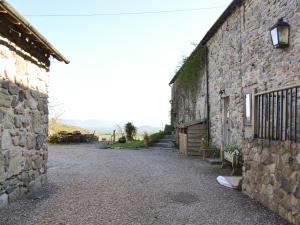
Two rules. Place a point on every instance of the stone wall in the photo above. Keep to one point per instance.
(272, 176)
(23, 123)
(242, 60)
(189, 89)
(224, 63)
(188, 105)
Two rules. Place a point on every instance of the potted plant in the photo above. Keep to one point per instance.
(208, 150)
(146, 140)
(233, 154)
(233, 150)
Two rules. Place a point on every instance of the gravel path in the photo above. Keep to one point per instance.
(123, 187)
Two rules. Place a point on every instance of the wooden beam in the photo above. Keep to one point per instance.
(13, 36)
(14, 15)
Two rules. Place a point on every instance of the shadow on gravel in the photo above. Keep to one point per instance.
(183, 198)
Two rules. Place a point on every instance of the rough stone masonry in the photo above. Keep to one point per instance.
(241, 60)
(23, 125)
(24, 63)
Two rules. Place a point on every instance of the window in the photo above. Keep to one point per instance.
(248, 109)
(278, 114)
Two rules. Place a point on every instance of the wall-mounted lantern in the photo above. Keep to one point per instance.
(222, 92)
(280, 34)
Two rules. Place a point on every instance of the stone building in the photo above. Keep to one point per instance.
(253, 97)
(188, 104)
(24, 63)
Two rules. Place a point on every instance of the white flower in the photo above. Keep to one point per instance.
(236, 152)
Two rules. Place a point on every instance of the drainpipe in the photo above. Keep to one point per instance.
(207, 95)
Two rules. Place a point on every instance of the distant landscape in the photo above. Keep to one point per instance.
(106, 126)
(102, 129)
(56, 126)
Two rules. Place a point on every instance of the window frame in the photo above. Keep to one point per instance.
(248, 122)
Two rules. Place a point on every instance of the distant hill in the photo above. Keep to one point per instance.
(57, 126)
(105, 126)
(148, 129)
(97, 125)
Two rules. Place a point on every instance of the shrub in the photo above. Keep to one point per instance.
(128, 145)
(71, 137)
(130, 131)
(156, 137)
(168, 129)
(122, 139)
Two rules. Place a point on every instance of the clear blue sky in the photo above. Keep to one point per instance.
(120, 65)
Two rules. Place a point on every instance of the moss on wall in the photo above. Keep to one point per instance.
(192, 69)
(188, 89)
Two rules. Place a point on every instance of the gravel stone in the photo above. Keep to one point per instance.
(87, 185)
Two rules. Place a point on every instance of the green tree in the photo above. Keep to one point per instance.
(130, 131)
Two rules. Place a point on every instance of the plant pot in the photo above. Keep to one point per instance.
(228, 156)
(146, 142)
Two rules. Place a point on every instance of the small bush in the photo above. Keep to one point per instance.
(71, 137)
(122, 139)
(156, 137)
(129, 145)
(169, 129)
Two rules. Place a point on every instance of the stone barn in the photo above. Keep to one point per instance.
(24, 66)
(251, 85)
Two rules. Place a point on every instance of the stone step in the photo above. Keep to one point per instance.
(164, 145)
(214, 161)
(165, 141)
(194, 153)
(169, 137)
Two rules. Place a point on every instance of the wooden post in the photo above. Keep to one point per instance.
(114, 136)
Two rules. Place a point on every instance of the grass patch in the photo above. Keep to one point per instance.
(129, 144)
(153, 138)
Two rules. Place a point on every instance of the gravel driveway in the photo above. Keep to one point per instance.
(122, 187)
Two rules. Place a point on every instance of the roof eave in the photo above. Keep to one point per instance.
(54, 52)
(229, 10)
(173, 79)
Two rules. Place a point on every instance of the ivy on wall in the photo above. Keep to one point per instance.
(192, 70)
(187, 86)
